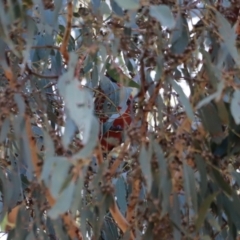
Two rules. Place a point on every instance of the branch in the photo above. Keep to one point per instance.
(63, 48)
(133, 201)
(46, 46)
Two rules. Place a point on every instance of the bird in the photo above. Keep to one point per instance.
(113, 124)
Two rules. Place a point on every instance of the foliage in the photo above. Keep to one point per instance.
(98, 137)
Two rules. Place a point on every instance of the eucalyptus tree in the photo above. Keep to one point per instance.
(119, 119)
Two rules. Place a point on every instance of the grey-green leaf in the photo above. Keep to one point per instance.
(4, 129)
(235, 106)
(63, 203)
(163, 14)
(180, 37)
(203, 210)
(183, 99)
(190, 186)
(79, 103)
(121, 194)
(145, 161)
(128, 4)
(60, 172)
(228, 34)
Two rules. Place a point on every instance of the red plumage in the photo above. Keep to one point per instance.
(118, 124)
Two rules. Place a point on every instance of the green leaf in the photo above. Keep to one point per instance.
(22, 219)
(201, 166)
(69, 131)
(31, 27)
(95, 76)
(228, 34)
(211, 70)
(219, 85)
(96, 4)
(204, 208)
(213, 221)
(165, 181)
(183, 99)
(175, 216)
(4, 19)
(128, 4)
(7, 191)
(206, 237)
(180, 37)
(63, 203)
(86, 151)
(15, 9)
(77, 197)
(121, 194)
(60, 172)
(67, 76)
(145, 162)
(221, 182)
(59, 229)
(163, 14)
(30, 236)
(57, 7)
(76, 15)
(148, 235)
(79, 103)
(116, 8)
(212, 122)
(236, 176)
(47, 168)
(20, 103)
(104, 9)
(4, 222)
(27, 155)
(4, 129)
(110, 229)
(49, 145)
(190, 186)
(235, 106)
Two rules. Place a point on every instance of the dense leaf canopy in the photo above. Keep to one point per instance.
(120, 119)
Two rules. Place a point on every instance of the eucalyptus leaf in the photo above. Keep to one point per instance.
(85, 152)
(20, 102)
(116, 8)
(180, 37)
(69, 131)
(203, 209)
(128, 4)
(190, 187)
(60, 172)
(145, 162)
(4, 129)
(163, 14)
(104, 8)
(183, 99)
(229, 36)
(235, 103)
(63, 202)
(80, 106)
(222, 183)
(121, 194)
